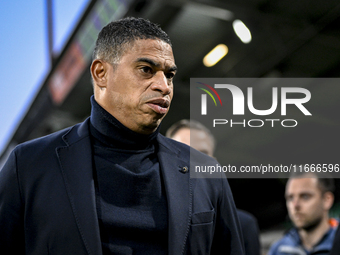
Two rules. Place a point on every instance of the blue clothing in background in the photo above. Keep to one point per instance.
(291, 244)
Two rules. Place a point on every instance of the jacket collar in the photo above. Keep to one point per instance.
(76, 166)
(324, 244)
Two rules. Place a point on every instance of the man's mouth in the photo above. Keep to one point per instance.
(298, 216)
(159, 105)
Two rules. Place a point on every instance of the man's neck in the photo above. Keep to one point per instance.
(111, 133)
(311, 237)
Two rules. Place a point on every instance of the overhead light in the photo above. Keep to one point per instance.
(242, 31)
(210, 11)
(215, 55)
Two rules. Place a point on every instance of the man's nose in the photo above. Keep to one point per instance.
(161, 83)
(296, 203)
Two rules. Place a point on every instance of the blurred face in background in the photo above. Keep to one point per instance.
(197, 139)
(307, 205)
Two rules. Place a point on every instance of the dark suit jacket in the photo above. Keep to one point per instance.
(47, 200)
(250, 232)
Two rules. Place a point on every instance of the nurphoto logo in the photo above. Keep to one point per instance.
(266, 127)
(295, 96)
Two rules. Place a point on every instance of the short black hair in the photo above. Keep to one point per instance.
(326, 181)
(114, 38)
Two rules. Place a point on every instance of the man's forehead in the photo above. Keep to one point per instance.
(151, 46)
(302, 184)
(152, 51)
(200, 134)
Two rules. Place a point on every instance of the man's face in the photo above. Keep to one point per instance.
(139, 88)
(305, 202)
(197, 139)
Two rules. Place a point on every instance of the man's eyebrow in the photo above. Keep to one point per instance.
(153, 63)
(173, 69)
(149, 61)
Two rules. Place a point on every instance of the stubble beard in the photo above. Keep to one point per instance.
(311, 225)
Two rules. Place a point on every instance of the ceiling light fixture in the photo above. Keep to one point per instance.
(210, 11)
(215, 55)
(242, 31)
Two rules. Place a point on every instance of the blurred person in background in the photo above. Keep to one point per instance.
(309, 197)
(113, 184)
(199, 137)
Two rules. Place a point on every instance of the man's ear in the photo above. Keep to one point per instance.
(328, 200)
(98, 72)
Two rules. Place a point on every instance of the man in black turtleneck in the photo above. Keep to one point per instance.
(113, 184)
(126, 163)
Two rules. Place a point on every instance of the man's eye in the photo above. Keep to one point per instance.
(146, 69)
(289, 198)
(170, 75)
(305, 197)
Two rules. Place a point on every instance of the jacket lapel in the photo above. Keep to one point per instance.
(177, 183)
(76, 166)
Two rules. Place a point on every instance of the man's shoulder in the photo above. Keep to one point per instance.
(246, 218)
(172, 144)
(184, 150)
(326, 242)
(53, 140)
(287, 243)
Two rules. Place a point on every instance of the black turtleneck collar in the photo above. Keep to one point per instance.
(109, 132)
